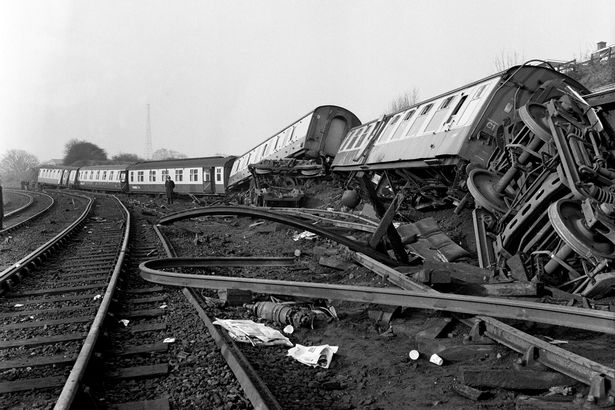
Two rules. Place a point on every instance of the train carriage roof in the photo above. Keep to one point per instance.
(108, 167)
(183, 163)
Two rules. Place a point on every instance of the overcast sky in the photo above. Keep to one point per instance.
(221, 76)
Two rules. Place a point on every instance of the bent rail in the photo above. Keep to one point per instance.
(594, 320)
(285, 219)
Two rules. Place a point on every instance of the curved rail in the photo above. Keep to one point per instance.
(17, 225)
(285, 219)
(257, 391)
(36, 256)
(69, 392)
(595, 320)
(21, 208)
(367, 225)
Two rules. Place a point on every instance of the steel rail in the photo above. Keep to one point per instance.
(36, 256)
(272, 216)
(256, 390)
(71, 387)
(598, 321)
(367, 226)
(17, 225)
(21, 208)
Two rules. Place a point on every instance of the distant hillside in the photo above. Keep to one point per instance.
(597, 72)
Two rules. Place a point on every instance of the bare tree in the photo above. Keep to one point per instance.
(164, 153)
(507, 59)
(405, 100)
(16, 166)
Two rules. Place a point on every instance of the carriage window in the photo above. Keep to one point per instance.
(218, 174)
(97, 175)
(140, 176)
(404, 123)
(446, 102)
(384, 137)
(132, 176)
(104, 175)
(194, 175)
(426, 109)
(165, 174)
(364, 135)
(179, 175)
(480, 91)
(152, 175)
(206, 176)
(111, 175)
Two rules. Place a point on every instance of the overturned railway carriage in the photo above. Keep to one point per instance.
(316, 136)
(427, 148)
(197, 176)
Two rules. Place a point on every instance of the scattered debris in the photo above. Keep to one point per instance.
(234, 297)
(124, 322)
(169, 340)
(247, 331)
(435, 359)
(304, 235)
(315, 356)
(334, 262)
(468, 392)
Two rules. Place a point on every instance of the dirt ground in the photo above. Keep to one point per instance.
(371, 369)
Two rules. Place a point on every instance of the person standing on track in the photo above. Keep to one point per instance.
(169, 185)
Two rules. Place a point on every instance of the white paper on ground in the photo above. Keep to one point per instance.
(313, 355)
(248, 331)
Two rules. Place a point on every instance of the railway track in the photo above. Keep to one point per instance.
(37, 204)
(17, 201)
(53, 311)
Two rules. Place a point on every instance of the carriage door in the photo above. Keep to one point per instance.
(208, 187)
(334, 137)
(219, 180)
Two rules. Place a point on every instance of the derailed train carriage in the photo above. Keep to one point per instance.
(427, 148)
(536, 158)
(301, 150)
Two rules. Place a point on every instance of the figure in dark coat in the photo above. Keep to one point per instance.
(168, 186)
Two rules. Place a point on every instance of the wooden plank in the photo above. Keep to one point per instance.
(37, 341)
(58, 290)
(148, 327)
(154, 370)
(151, 299)
(41, 323)
(36, 361)
(135, 314)
(144, 290)
(45, 311)
(49, 300)
(512, 379)
(32, 384)
(158, 404)
(139, 349)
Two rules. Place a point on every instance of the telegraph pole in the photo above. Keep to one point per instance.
(148, 137)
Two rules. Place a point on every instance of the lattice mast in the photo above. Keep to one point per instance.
(148, 136)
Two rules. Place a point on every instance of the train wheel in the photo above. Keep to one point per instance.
(567, 219)
(481, 184)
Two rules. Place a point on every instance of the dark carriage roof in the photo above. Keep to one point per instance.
(57, 167)
(182, 163)
(105, 167)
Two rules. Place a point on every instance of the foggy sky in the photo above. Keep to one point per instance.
(221, 76)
